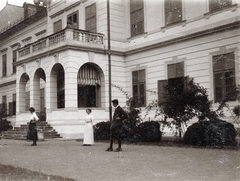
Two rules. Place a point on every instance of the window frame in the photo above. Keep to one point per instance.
(71, 16)
(56, 26)
(4, 65)
(139, 85)
(213, 7)
(91, 17)
(136, 17)
(179, 9)
(220, 70)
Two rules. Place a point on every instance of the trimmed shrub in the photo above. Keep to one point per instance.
(210, 133)
(102, 131)
(149, 132)
(5, 125)
(144, 132)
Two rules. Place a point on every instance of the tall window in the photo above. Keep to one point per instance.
(224, 77)
(90, 14)
(175, 82)
(89, 89)
(219, 4)
(72, 20)
(137, 17)
(138, 89)
(14, 59)
(173, 11)
(57, 26)
(27, 98)
(42, 99)
(12, 106)
(4, 65)
(4, 105)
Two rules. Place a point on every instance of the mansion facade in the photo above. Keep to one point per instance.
(54, 55)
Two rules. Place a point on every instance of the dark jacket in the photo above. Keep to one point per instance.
(119, 115)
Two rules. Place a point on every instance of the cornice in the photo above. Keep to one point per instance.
(8, 83)
(199, 34)
(65, 9)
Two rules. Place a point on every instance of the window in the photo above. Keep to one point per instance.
(27, 97)
(89, 89)
(12, 106)
(90, 14)
(136, 17)
(4, 65)
(173, 11)
(42, 99)
(14, 59)
(4, 105)
(175, 82)
(72, 20)
(219, 4)
(138, 89)
(57, 26)
(224, 77)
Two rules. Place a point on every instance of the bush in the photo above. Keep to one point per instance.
(5, 125)
(102, 131)
(144, 132)
(210, 133)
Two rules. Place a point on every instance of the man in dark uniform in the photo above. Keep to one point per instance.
(116, 125)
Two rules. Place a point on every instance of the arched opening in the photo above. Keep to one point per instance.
(24, 93)
(57, 84)
(39, 84)
(89, 86)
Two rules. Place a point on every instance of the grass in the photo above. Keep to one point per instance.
(11, 173)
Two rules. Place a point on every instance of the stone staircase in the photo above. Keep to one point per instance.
(20, 133)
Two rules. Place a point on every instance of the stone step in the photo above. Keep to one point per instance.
(21, 132)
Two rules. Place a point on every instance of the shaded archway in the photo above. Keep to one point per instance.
(24, 93)
(39, 84)
(90, 78)
(57, 87)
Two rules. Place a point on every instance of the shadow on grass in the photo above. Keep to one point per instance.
(8, 172)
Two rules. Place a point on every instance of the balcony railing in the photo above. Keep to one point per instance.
(66, 36)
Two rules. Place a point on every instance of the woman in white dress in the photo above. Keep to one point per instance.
(88, 139)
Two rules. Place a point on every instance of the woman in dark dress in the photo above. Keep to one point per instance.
(32, 132)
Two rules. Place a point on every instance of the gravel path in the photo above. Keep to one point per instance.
(67, 158)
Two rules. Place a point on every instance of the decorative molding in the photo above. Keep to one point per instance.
(8, 83)
(4, 50)
(15, 44)
(27, 39)
(40, 32)
(65, 9)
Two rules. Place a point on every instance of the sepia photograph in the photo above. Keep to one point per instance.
(119, 90)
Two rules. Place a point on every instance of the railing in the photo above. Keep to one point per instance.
(39, 45)
(24, 51)
(56, 38)
(87, 37)
(67, 35)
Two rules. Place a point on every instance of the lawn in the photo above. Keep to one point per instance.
(10, 173)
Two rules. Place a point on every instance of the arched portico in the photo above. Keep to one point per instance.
(90, 81)
(24, 93)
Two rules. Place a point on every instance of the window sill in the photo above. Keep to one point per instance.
(172, 25)
(137, 36)
(220, 10)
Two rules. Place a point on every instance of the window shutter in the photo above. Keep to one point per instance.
(171, 71)
(161, 89)
(90, 13)
(57, 26)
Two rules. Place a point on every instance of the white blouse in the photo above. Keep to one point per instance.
(34, 117)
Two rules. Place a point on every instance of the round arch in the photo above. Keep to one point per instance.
(91, 85)
(57, 87)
